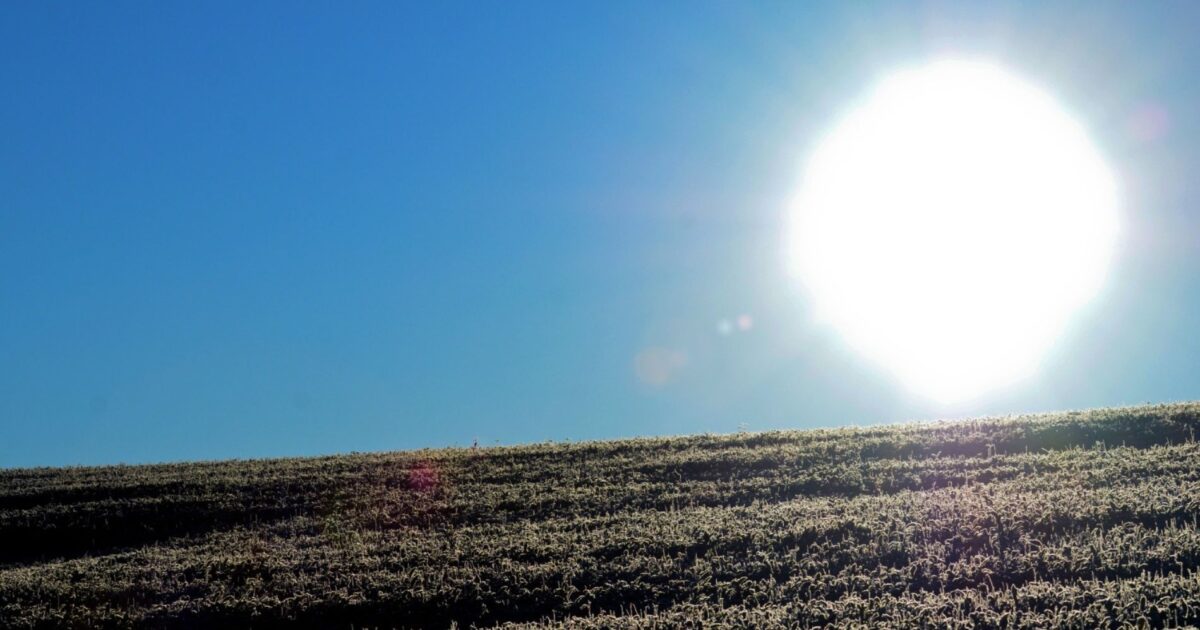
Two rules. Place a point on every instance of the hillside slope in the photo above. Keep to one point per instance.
(1086, 519)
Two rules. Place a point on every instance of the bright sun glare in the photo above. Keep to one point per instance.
(950, 224)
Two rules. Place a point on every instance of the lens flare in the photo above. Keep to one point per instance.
(950, 225)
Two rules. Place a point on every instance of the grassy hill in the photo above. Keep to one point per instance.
(1081, 520)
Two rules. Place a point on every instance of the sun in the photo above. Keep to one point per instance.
(951, 224)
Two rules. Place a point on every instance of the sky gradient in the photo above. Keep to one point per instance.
(248, 230)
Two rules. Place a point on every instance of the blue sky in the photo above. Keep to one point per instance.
(245, 230)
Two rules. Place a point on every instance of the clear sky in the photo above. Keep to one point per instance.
(234, 229)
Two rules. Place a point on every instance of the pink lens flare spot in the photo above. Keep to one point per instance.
(423, 477)
(1149, 122)
(658, 366)
(745, 322)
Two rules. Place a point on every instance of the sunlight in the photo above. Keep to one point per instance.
(950, 225)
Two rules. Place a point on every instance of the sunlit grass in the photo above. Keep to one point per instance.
(1078, 520)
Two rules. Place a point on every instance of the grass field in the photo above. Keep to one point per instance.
(1079, 520)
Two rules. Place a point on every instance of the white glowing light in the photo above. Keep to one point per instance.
(951, 224)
